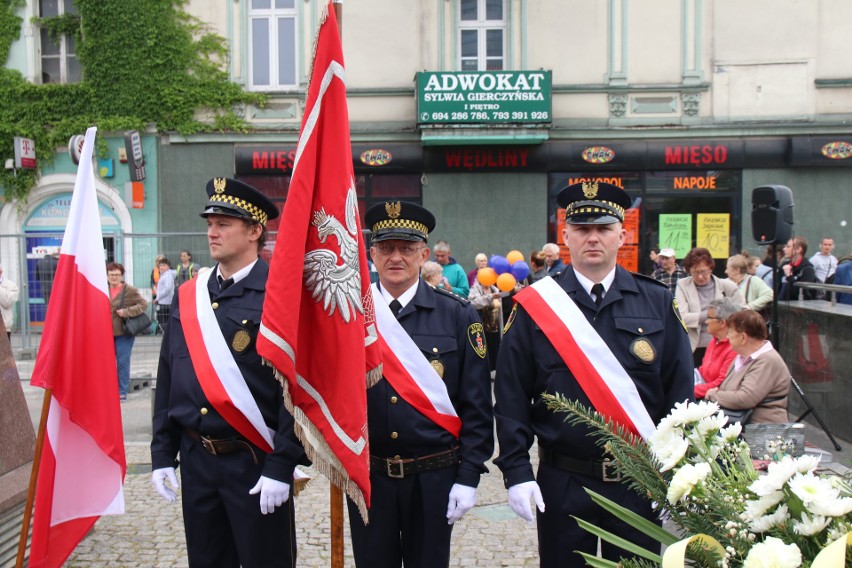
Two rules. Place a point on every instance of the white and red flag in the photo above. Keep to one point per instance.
(318, 326)
(81, 473)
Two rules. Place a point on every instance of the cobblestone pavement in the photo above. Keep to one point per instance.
(150, 533)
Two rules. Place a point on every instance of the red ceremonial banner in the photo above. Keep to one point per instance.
(318, 326)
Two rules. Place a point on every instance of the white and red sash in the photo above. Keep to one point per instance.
(608, 386)
(409, 373)
(218, 374)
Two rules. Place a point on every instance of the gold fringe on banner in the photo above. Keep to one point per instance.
(318, 450)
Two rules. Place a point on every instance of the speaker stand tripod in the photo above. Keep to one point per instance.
(811, 410)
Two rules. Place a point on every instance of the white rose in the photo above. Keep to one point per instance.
(763, 524)
(833, 508)
(731, 432)
(776, 476)
(773, 553)
(710, 424)
(758, 508)
(806, 463)
(691, 412)
(685, 480)
(810, 526)
(669, 449)
(812, 489)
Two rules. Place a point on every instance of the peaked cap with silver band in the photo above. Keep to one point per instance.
(399, 220)
(593, 203)
(234, 198)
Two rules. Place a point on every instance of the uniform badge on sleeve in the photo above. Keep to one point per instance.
(476, 336)
(676, 309)
(511, 318)
(241, 341)
(642, 349)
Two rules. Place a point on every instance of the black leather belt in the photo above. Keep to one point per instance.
(221, 447)
(399, 468)
(603, 470)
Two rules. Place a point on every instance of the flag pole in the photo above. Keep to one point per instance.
(28, 507)
(335, 493)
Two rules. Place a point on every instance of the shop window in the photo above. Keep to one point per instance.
(677, 209)
(375, 188)
(59, 62)
(273, 47)
(482, 35)
(370, 188)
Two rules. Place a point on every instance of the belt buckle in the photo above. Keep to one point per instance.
(605, 468)
(390, 462)
(208, 445)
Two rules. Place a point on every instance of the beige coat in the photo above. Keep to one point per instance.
(134, 303)
(689, 303)
(9, 292)
(765, 377)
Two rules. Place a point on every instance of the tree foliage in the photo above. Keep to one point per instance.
(147, 64)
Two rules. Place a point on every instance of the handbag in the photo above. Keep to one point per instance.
(136, 324)
(765, 311)
(742, 415)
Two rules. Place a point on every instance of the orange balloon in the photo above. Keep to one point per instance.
(506, 282)
(487, 276)
(514, 256)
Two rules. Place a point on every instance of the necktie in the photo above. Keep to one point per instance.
(395, 306)
(224, 284)
(597, 292)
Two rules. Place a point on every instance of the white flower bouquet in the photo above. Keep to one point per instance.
(697, 467)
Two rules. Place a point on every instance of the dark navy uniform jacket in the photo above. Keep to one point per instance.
(444, 327)
(635, 306)
(180, 402)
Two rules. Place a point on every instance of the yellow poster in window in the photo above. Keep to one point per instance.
(714, 233)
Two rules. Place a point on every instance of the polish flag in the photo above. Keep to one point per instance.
(318, 327)
(81, 473)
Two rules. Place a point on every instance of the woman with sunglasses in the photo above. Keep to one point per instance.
(695, 292)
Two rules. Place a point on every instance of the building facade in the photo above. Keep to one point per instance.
(483, 109)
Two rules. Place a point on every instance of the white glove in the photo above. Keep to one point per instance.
(159, 477)
(273, 493)
(462, 500)
(519, 499)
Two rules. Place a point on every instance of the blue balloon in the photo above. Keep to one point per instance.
(499, 263)
(520, 270)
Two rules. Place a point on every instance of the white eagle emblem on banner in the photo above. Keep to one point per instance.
(336, 284)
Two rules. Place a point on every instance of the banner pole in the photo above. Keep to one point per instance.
(335, 493)
(28, 507)
(336, 506)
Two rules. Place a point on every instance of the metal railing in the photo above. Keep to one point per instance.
(137, 252)
(833, 288)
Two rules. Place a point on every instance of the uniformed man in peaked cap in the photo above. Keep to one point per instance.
(219, 412)
(430, 416)
(628, 342)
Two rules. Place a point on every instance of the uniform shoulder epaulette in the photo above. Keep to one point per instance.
(648, 279)
(452, 295)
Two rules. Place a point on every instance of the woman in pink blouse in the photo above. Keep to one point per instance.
(758, 377)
